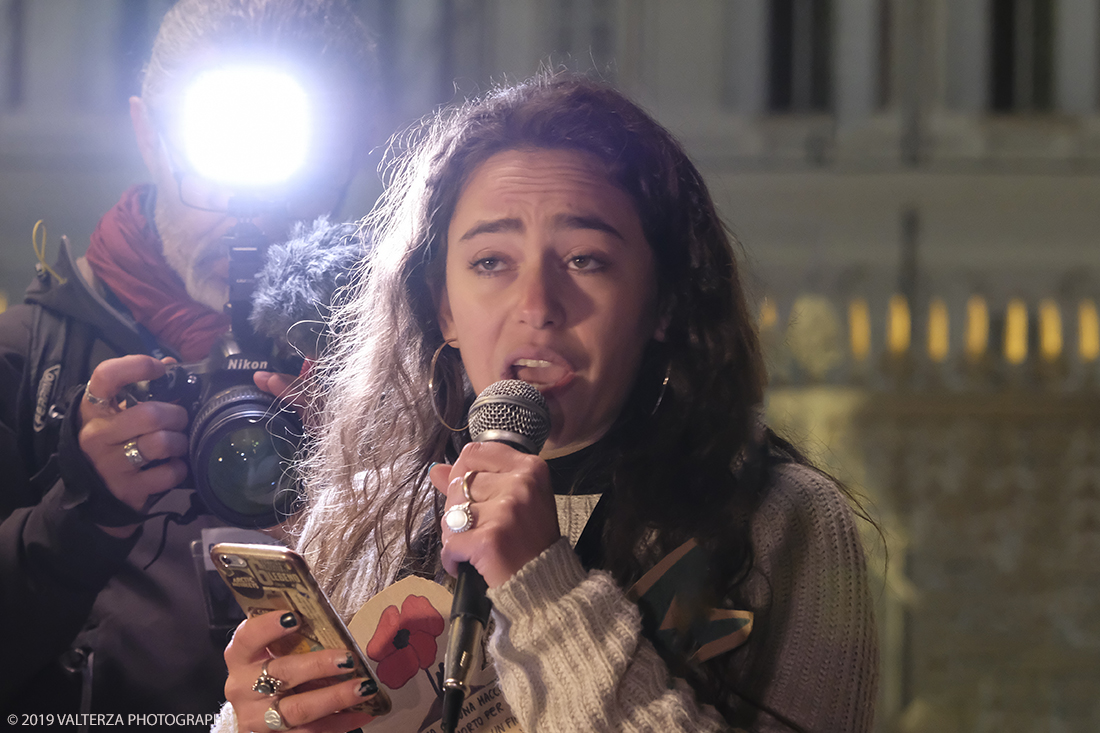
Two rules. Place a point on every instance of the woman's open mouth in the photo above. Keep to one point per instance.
(541, 374)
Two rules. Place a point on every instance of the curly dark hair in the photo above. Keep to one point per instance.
(696, 467)
(689, 469)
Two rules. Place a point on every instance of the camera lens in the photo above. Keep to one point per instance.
(242, 447)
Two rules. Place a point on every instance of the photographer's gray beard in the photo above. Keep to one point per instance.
(201, 282)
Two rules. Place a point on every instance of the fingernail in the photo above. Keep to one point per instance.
(288, 620)
(348, 663)
(368, 687)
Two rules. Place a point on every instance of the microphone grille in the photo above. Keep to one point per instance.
(511, 406)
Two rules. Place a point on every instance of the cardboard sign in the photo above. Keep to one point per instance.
(403, 631)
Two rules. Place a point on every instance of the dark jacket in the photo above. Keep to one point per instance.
(80, 607)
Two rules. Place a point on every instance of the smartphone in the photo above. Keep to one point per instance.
(266, 578)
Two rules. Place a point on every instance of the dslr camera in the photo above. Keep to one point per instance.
(252, 144)
(242, 440)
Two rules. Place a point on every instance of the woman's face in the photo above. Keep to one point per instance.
(549, 279)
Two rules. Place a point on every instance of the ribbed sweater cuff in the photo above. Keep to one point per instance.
(226, 722)
(540, 583)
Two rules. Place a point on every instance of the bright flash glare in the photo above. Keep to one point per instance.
(246, 126)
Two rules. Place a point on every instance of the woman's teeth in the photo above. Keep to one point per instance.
(539, 373)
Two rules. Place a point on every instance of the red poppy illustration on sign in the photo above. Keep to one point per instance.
(404, 641)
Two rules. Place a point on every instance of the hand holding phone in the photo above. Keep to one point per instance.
(265, 578)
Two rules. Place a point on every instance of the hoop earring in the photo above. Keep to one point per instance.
(664, 386)
(431, 391)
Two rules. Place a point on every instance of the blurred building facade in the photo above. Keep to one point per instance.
(915, 186)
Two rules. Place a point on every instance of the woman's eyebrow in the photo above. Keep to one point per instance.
(493, 226)
(559, 222)
(585, 221)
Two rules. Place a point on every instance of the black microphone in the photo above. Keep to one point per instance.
(511, 412)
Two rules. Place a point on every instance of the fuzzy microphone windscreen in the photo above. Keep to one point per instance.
(295, 289)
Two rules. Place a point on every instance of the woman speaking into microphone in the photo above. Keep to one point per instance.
(554, 233)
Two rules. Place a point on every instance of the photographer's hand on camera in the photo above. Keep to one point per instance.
(121, 443)
(286, 387)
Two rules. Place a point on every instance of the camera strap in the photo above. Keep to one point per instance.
(189, 515)
(152, 346)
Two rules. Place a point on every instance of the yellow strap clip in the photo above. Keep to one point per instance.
(40, 250)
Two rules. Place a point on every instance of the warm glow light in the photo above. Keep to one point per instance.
(859, 328)
(246, 126)
(939, 330)
(768, 314)
(977, 327)
(1050, 330)
(1088, 331)
(899, 326)
(1016, 331)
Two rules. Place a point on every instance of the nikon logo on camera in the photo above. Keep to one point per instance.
(245, 364)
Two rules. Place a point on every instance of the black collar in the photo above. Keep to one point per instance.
(577, 474)
(566, 470)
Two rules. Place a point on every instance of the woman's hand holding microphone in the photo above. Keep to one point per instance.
(513, 516)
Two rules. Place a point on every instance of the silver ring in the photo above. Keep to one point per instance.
(466, 485)
(133, 455)
(97, 401)
(273, 718)
(266, 684)
(459, 518)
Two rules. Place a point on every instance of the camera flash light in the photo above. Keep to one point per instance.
(246, 126)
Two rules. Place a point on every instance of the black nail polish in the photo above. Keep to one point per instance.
(368, 687)
(288, 620)
(348, 663)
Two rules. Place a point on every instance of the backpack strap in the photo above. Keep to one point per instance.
(57, 362)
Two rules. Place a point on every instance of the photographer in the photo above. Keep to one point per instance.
(100, 595)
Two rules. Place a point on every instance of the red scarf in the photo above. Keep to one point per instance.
(126, 253)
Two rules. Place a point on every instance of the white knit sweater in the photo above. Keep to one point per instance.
(570, 654)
